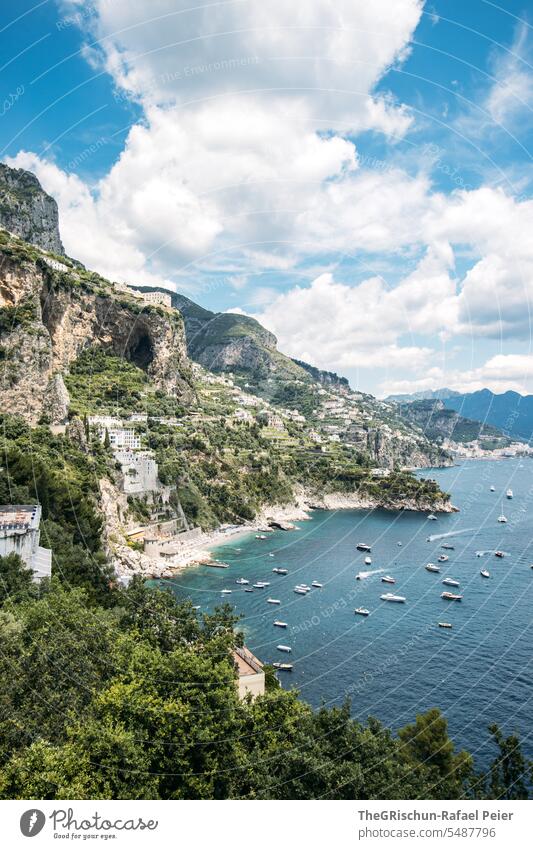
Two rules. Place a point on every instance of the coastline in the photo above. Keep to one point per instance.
(129, 563)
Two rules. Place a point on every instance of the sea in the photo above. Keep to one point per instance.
(397, 662)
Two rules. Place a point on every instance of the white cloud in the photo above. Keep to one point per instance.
(511, 94)
(500, 373)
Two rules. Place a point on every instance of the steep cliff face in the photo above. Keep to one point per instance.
(27, 211)
(438, 423)
(48, 316)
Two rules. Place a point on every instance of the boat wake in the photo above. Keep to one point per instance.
(368, 574)
(434, 537)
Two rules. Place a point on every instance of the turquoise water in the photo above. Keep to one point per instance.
(397, 661)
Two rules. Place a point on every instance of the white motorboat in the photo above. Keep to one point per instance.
(273, 601)
(400, 543)
(509, 494)
(242, 581)
(283, 667)
(279, 624)
(362, 611)
(284, 648)
(451, 597)
(445, 624)
(300, 591)
(502, 518)
(317, 585)
(485, 573)
(305, 587)
(500, 554)
(451, 582)
(432, 517)
(280, 571)
(368, 561)
(386, 579)
(362, 546)
(392, 597)
(431, 567)
(260, 585)
(443, 558)
(225, 592)
(248, 590)
(196, 607)
(493, 488)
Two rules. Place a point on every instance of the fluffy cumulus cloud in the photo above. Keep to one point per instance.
(246, 161)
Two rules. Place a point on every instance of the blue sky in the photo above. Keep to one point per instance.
(359, 180)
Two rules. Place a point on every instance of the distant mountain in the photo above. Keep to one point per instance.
(427, 395)
(511, 412)
(438, 422)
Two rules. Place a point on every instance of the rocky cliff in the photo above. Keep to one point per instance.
(48, 316)
(27, 211)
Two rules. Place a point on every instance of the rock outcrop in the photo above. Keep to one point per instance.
(27, 211)
(48, 317)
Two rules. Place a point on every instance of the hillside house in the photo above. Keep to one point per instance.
(19, 534)
(251, 678)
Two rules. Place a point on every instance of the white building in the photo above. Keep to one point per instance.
(139, 471)
(19, 534)
(104, 421)
(161, 298)
(120, 437)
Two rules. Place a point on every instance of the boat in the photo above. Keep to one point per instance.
(362, 611)
(430, 567)
(485, 573)
(305, 587)
(451, 582)
(242, 581)
(317, 585)
(509, 494)
(279, 624)
(386, 579)
(502, 518)
(260, 536)
(443, 558)
(493, 488)
(368, 561)
(248, 590)
(362, 546)
(499, 554)
(448, 547)
(445, 624)
(284, 648)
(216, 564)
(225, 592)
(400, 543)
(283, 667)
(300, 591)
(260, 585)
(451, 597)
(196, 607)
(392, 597)
(273, 601)
(279, 571)
(432, 517)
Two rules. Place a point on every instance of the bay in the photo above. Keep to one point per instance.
(397, 662)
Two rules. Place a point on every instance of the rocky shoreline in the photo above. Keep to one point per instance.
(271, 517)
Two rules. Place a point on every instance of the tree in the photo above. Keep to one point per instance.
(15, 577)
(509, 773)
